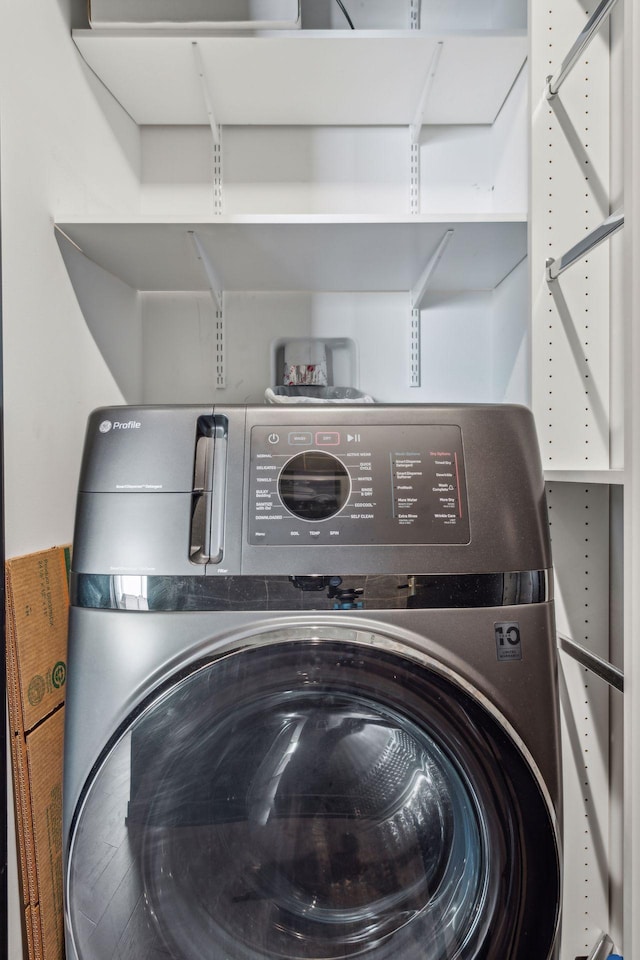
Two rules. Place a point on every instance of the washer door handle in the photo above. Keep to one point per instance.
(218, 492)
(209, 491)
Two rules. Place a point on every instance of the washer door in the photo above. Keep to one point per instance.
(313, 799)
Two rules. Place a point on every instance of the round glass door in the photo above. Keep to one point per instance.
(313, 799)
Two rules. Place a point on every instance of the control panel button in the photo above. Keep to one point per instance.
(274, 438)
(304, 439)
(327, 439)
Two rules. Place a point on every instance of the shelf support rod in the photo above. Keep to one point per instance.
(593, 25)
(593, 239)
(602, 948)
(598, 665)
(419, 291)
(215, 129)
(416, 126)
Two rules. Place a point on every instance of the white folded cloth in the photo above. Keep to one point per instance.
(343, 395)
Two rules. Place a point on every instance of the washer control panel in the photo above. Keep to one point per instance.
(382, 484)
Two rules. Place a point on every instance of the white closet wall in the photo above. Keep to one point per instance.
(58, 149)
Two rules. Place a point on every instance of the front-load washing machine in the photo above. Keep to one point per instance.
(312, 707)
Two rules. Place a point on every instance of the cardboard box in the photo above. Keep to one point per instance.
(37, 602)
(214, 14)
(37, 618)
(44, 757)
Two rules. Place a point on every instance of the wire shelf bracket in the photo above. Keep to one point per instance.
(416, 127)
(586, 36)
(419, 291)
(593, 239)
(206, 96)
(217, 294)
(602, 948)
(417, 299)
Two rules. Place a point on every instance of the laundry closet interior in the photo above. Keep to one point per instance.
(178, 205)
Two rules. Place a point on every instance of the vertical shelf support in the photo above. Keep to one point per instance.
(414, 178)
(417, 297)
(216, 292)
(414, 146)
(415, 365)
(414, 15)
(217, 178)
(221, 381)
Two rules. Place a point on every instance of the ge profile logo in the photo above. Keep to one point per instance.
(59, 674)
(105, 426)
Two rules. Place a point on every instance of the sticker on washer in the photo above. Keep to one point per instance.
(508, 641)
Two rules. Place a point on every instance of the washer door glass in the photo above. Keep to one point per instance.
(313, 799)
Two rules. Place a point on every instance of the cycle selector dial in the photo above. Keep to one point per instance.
(314, 485)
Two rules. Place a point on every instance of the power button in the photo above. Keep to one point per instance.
(273, 438)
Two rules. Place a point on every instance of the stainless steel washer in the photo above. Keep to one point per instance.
(312, 707)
